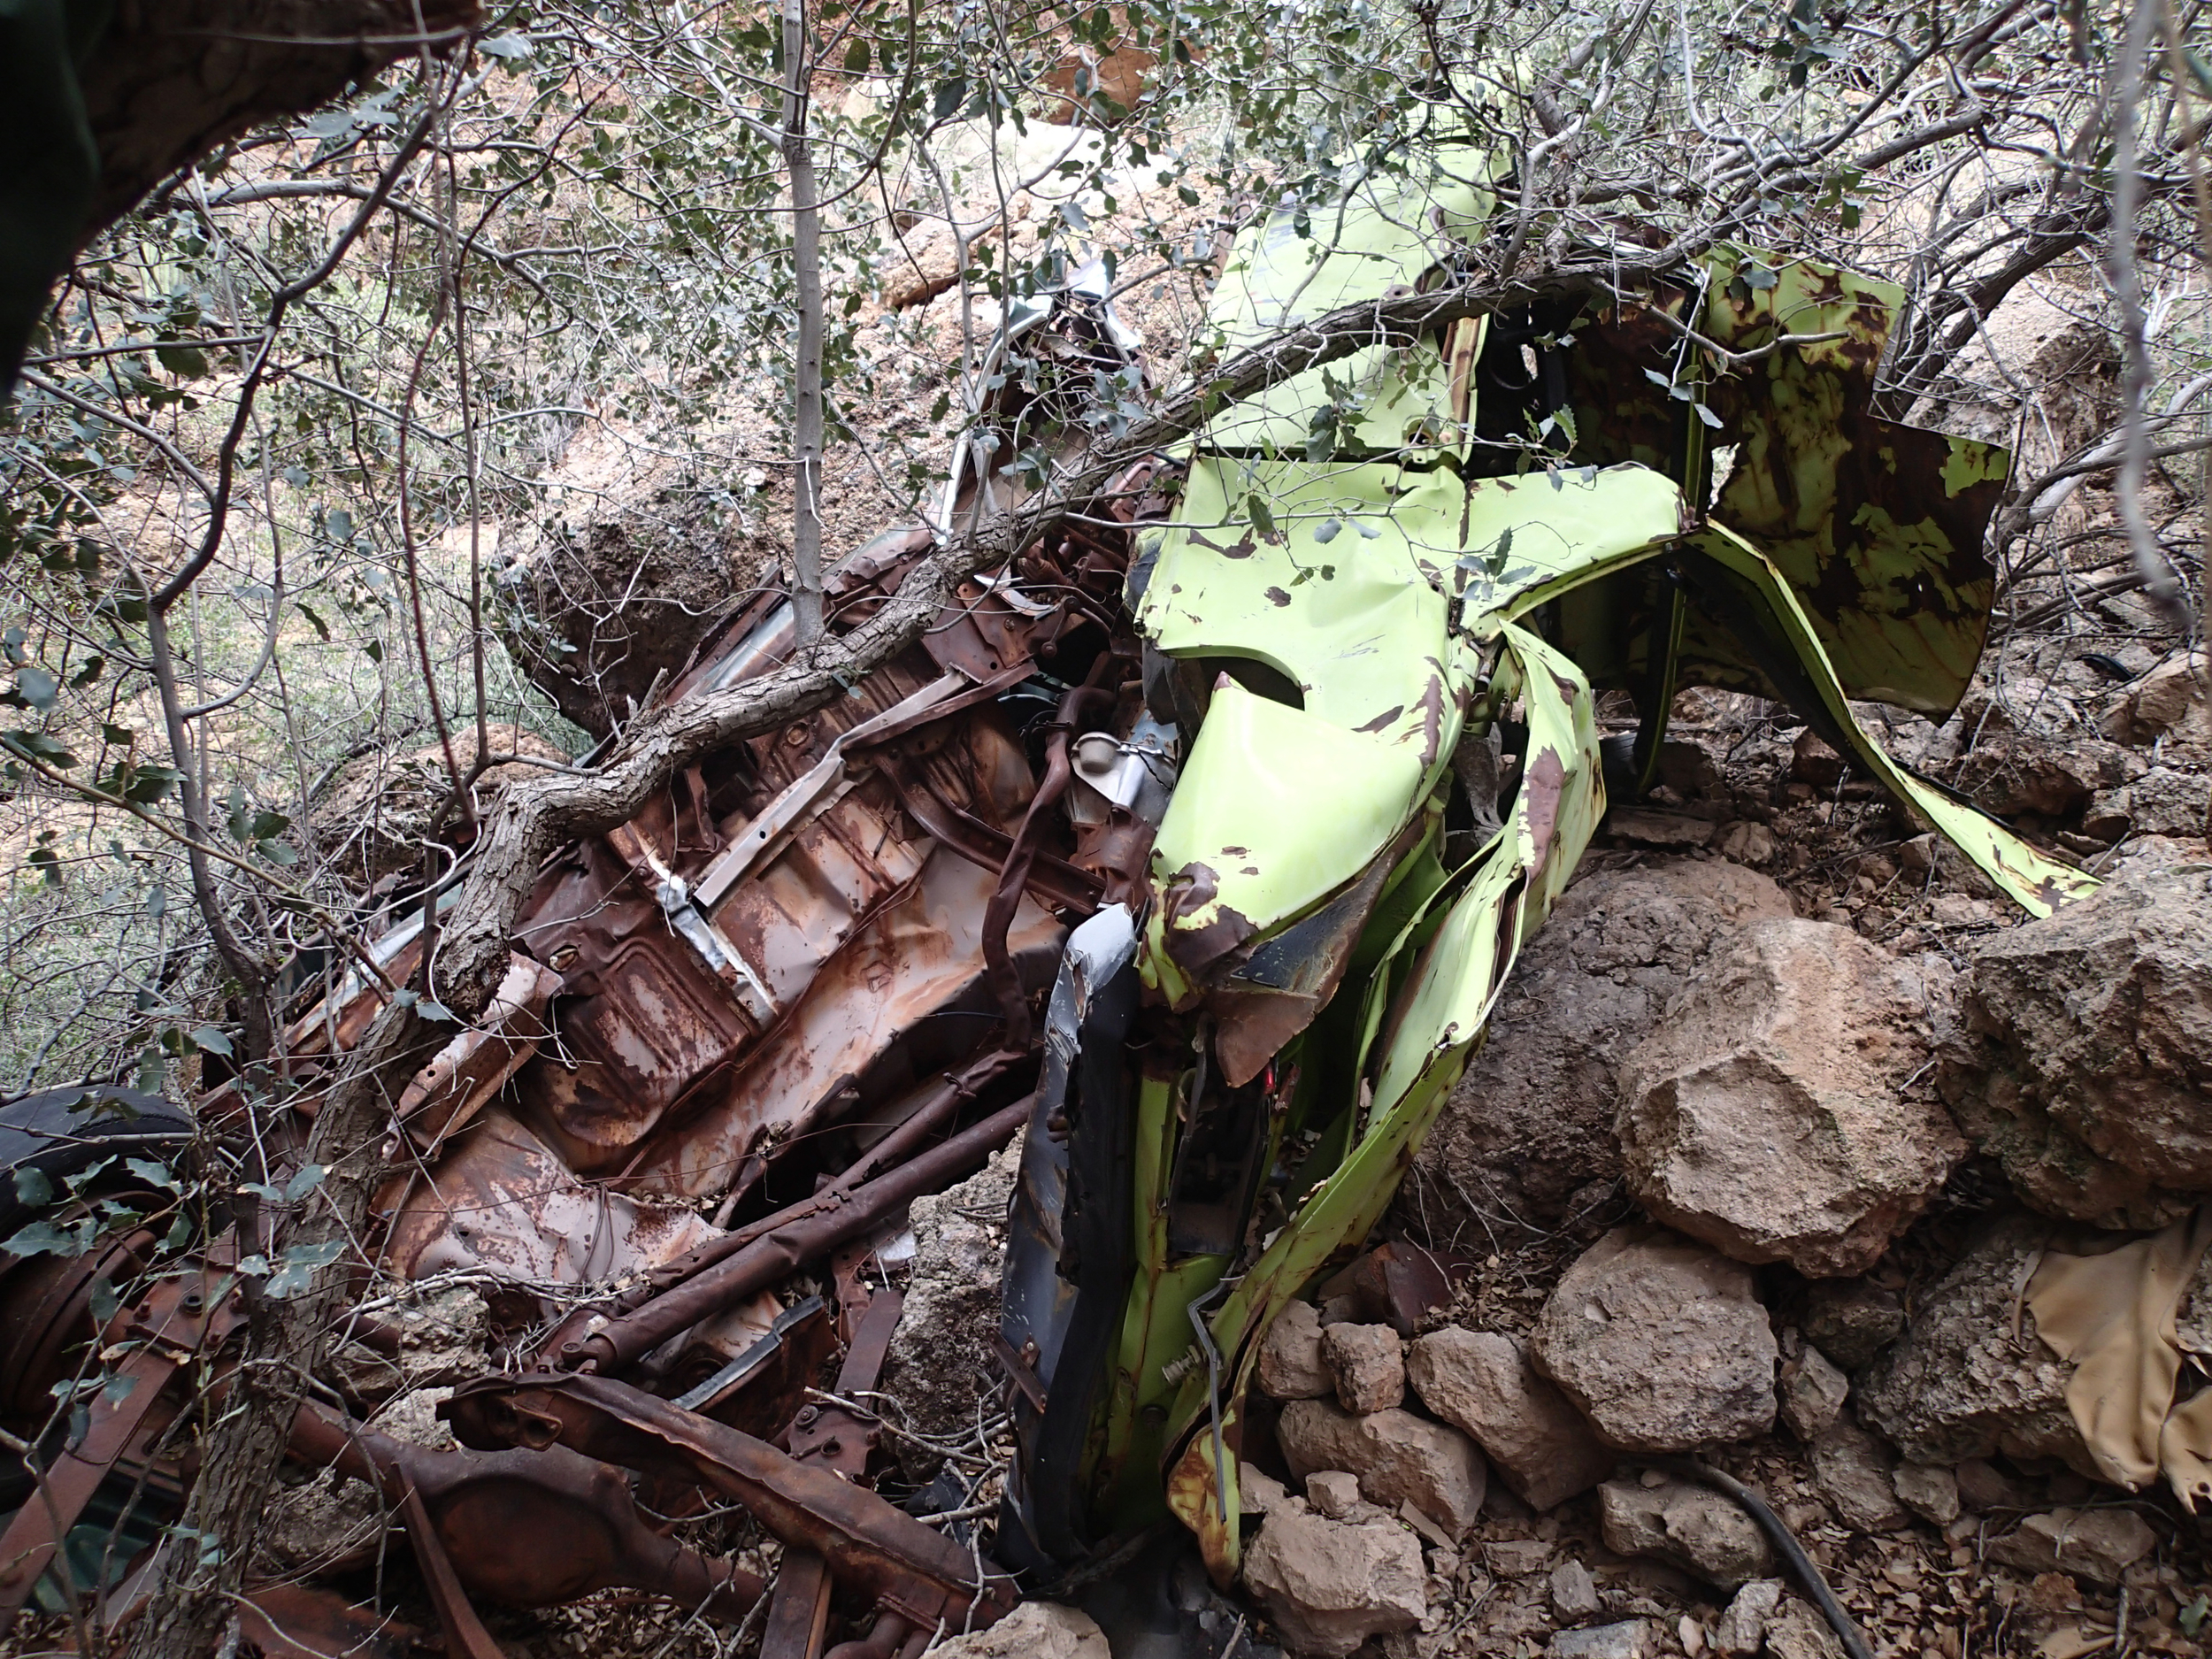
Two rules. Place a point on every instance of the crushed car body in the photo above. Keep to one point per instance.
(1192, 849)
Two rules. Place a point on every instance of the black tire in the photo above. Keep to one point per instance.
(61, 1131)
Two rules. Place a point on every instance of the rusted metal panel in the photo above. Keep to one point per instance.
(500, 1200)
(893, 1560)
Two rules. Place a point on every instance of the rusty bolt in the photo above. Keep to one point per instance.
(807, 1414)
(192, 1302)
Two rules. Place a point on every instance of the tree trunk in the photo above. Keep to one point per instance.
(806, 377)
(284, 1341)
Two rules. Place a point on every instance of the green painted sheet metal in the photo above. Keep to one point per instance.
(1878, 526)
(1400, 219)
(1468, 937)
(2039, 885)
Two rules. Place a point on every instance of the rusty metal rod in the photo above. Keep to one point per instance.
(1021, 857)
(623, 1340)
(932, 1114)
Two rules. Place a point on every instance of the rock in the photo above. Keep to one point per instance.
(1812, 1392)
(1632, 1639)
(1368, 1364)
(1852, 1320)
(1531, 1121)
(2164, 801)
(1034, 1630)
(1983, 1486)
(2085, 1059)
(1333, 1493)
(1929, 1490)
(1574, 1593)
(2095, 1544)
(1659, 1342)
(2174, 700)
(1515, 1557)
(371, 821)
(594, 608)
(1961, 1383)
(1812, 761)
(1800, 1633)
(1257, 1491)
(2009, 772)
(1689, 1525)
(1290, 1358)
(1742, 1630)
(1399, 1458)
(1660, 829)
(1328, 1588)
(1773, 1112)
(952, 1308)
(1484, 1385)
(1747, 842)
(1852, 1469)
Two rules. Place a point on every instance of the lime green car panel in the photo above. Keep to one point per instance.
(1244, 850)
(1298, 263)
(1351, 596)
(2038, 885)
(1331, 595)
(1877, 524)
(1531, 538)
(1474, 928)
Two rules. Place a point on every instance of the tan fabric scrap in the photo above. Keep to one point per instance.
(2113, 1316)
(2184, 1450)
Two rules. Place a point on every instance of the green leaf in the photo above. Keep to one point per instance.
(316, 622)
(296, 1268)
(856, 56)
(90, 671)
(38, 745)
(37, 687)
(510, 48)
(1706, 415)
(1327, 531)
(32, 1190)
(950, 94)
(104, 1302)
(43, 1238)
(187, 361)
(1260, 514)
(152, 1173)
(211, 1039)
(309, 1177)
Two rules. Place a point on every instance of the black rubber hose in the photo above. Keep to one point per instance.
(1800, 1564)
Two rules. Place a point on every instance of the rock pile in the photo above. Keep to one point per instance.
(1784, 1102)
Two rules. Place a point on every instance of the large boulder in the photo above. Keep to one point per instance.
(1774, 1112)
(1970, 1377)
(1659, 1341)
(1533, 1120)
(1327, 1586)
(2083, 1057)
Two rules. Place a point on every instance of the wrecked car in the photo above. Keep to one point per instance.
(1191, 849)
